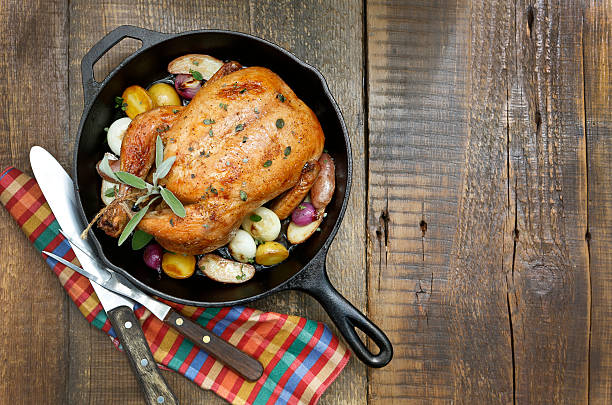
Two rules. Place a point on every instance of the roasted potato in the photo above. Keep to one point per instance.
(225, 271)
(204, 64)
(164, 94)
(177, 265)
(298, 234)
(271, 253)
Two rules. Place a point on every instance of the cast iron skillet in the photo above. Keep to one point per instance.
(305, 268)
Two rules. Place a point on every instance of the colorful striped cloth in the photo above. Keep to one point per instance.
(301, 358)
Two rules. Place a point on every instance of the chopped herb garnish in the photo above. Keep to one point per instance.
(224, 106)
(325, 150)
(196, 75)
(171, 222)
(192, 176)
(106, 129)
(302, 207)
(242, 275)
(268, 163)
(209, 121)
(243, 90)
(202, 152)
(256, 110)
(239, 127)
(287, 150)
(243, 195)
(213, 190)
(120, 103)
(205, 225)
(110, 192)
(280, 123)
(255, 218)
(318, 229)
(196, 62)
(245, 160)
(244, 139)
(210, 132)
(190, 149)
(280, 97)
(175, 111)
(227, 163)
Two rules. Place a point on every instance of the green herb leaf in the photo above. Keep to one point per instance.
(210, 132)
(243, 195)
(244, 139)
(196, 75)
(131, 180)
(280, 97)
(243, 90)
(163, 169)
(110, 192)
(159, 151)
(131, 225)
(140, 239)
(239, 127)
(287, 150)
(106, 169)
(175, 111)
(256, 110)
(196, 62)
(209, 121)
(268, 163)
(224, 106)
(280, 123)
(255, 218)
(175, 205)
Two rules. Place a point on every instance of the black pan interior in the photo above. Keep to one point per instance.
(148, 65)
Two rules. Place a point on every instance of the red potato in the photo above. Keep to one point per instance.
(322, 191)
(115, 165)
(225, 271)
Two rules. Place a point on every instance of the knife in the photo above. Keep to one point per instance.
(58, 189)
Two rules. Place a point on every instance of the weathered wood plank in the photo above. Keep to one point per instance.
(34, 111)
(435, 229)
(98, 373)
(549, 280)
(596, 46)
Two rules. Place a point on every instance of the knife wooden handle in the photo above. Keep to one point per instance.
(135, 345)
(240, 362)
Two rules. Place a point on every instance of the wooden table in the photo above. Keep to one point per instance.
(479, 230)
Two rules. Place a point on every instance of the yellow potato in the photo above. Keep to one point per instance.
(177, 265)
(137, 100)
(271, 253)
(164, 94)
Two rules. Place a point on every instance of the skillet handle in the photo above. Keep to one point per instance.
(315, 282)
(147, 37)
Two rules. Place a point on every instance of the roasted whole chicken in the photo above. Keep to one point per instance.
(244, 140)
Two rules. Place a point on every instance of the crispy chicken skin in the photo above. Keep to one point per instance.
(242, 141)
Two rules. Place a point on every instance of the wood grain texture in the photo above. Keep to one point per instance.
(596, 46)
(154, 387)
(418, 126)
(549, 287)
(34, 111)
(314, 31)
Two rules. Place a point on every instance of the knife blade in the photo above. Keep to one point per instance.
(240, 362)
(58, 189)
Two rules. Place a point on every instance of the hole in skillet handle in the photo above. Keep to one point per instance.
(314, 281)
(145, 36)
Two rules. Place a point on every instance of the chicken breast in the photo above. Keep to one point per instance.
(242, 141)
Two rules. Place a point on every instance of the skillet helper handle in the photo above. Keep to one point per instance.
(345, 316)
(240, 362)
(129, 332)
(147, 37)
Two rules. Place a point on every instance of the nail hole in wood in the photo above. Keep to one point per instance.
(530, 18)
(587, 236)
(538, 120)
(423, 226)
(515, 234)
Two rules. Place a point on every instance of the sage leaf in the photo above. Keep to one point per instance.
(164, 168)
(159, 151)
(131, 225)
(131, 180)
(140, 239)
(106, 169)
(175, 205)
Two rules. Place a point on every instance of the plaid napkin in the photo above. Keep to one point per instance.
(301, 358)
